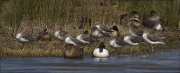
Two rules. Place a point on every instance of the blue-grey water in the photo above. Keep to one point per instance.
(168, 61)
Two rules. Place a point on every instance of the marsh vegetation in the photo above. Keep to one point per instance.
(33, 16)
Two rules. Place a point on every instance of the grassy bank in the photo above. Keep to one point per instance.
(12, 48)
(33, 16)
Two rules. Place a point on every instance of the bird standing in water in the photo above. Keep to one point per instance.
(101, 51)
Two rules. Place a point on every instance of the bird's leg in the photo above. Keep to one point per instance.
(151, 49)
(131, 50)
(22, 46)
(115, 52)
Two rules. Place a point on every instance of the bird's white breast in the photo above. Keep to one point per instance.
(159, 27)
(79, 37)
(18, 36)
(113, 44)
(56, 34)
(128, 41)
(68, 41)
(97, 33)
(103, 54)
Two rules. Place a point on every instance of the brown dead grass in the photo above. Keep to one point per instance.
(10, 47)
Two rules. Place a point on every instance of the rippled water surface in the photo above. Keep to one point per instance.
(167, 62)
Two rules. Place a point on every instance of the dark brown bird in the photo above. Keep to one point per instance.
(73, 52)
(44, 36)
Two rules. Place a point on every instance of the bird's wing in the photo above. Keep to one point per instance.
(103, 28)
(138, 31)
(137, 39)
(118, 42)
(28, 37)
(76, 41)
(63, 33)
(96, 29)
(153, 37)
(87, 38)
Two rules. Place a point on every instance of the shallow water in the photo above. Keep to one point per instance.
(168, 61)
